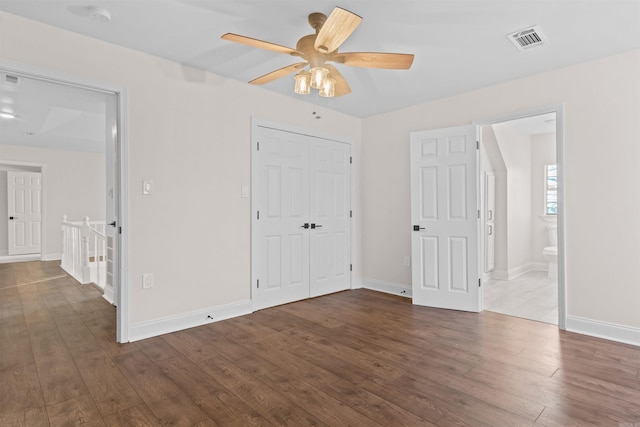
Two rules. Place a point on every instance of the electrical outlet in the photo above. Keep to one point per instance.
(407, 261)
(147, 281)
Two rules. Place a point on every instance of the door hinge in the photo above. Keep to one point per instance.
(478, 213)
(350, 267)
(479, 283)
(258, 283)
(258, 215)
(351, 160)
(258, 145)
(477, 145)
(350, 214)
(119, 230)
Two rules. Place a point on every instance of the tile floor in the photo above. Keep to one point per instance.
(531, 296)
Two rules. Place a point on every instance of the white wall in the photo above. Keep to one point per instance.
(543, 152)
(189, 131)
(74, 185)
(602, 129)
(515, 147)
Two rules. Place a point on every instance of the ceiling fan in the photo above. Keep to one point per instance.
(322, 47)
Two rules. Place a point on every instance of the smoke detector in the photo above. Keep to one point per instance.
(99, 14)
(528, 38)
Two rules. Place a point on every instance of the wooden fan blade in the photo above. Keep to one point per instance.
(395, 61)
(269, 77)
(341, 87)
(338, 26)
(259, 44)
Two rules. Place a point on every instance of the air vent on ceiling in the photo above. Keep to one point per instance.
(528, 38)
(11, 79)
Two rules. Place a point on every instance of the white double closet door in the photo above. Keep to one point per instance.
(301, 227)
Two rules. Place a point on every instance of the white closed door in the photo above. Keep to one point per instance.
(281, 208)
(330, 237)
(24, 201)
(445, 219)
(300, 224)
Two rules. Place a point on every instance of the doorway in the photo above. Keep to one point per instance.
(301, 215)
(439, 195)
(521, 166)
(77, 115)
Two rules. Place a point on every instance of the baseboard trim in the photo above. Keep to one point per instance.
(19, 258)
(142, 330)
(609, 331)
(387, 287)
(52, 257)
(514, 273)
(107, 294)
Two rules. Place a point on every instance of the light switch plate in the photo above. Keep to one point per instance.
(147, 187)
(244, 192)
(147, 280)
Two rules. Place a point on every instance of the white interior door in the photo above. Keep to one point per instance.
(330, 237)
(445, 218)
(281, 206)
(24, 201)
(111, 214)
(301, 237)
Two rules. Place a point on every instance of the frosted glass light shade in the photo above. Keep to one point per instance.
(328, 88)
(303, 80)
(318, 75)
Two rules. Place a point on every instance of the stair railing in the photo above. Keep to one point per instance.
(84, 250)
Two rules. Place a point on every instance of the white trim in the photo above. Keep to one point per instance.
(52, 257)
(559, 110)
(122, 296)
(599, 329)
(165, 325)
(387, 287)
(19, 258)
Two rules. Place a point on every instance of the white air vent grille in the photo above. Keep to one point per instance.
(528, 38)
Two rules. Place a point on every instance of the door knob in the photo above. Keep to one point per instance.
(417, 228)
(305, 225)
(314, 226)
(113, 223)
(12, 217)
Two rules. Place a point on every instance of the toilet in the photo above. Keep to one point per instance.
(550, 253)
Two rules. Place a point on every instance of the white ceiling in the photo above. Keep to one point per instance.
(458, 45)
(51, 115)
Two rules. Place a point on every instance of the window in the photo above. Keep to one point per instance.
(551, 190)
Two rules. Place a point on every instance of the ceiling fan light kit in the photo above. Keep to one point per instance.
(322, 47)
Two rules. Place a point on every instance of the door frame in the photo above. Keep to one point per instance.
(42, 170)
(558, 109)
(256, 123)
(121, 292)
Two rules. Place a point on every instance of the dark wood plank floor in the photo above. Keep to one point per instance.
(356, 358)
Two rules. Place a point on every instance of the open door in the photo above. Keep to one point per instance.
(111, 215)
(445, 218)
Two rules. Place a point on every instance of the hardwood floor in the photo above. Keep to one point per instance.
(356, 358)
